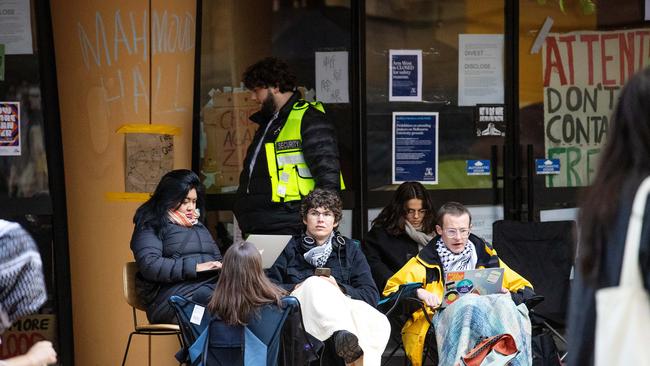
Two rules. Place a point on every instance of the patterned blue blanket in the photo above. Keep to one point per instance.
(464, 323)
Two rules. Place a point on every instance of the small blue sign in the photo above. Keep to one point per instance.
(478, 167)
(547, 166)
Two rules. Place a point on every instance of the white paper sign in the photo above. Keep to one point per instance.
(482, 219)
(197, 314)
(332, 77)
(480, 69)
(15, 27)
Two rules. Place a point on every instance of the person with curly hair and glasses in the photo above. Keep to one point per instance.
(329, 275)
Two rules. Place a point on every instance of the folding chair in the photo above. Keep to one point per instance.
(398, 307)
(128, 277)
(542, 252)
(256, 344)
(193, 319)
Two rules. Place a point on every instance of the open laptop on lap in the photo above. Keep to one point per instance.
(484, 281)
(270, 246)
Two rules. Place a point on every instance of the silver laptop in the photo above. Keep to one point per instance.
(484, 281)
(270, 246)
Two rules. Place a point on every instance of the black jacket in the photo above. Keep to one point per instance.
(171, 265)
(347, 262)
(582, 304)
(387, 253)
(253, 208)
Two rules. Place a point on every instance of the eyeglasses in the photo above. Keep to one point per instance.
(452, 233)
(316, 214)
(411, 212)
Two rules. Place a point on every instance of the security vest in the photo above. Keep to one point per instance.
(290, 176)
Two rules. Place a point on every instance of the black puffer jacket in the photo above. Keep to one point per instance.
(172, 265)
(387, 253)
(254, 210)
(581, 318)
(347, 262)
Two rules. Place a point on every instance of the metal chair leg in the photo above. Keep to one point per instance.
(126, 352)
(149, 340)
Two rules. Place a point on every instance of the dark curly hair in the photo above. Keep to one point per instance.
(269, 72)
(322, 198)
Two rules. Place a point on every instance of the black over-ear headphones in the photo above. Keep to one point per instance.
(308, 242)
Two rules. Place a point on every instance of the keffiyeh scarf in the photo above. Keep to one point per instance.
(179, 218)
(22, 287)
(457, 262)
(317, 256)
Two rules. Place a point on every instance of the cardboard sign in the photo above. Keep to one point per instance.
(148, 158)
(228, 133)
(26, 331)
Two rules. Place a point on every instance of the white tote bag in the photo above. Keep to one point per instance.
(623, 312)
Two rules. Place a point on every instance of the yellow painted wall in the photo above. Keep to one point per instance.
(103, 68)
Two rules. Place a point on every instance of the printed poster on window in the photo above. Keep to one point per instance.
(9, 128)
(405, 76)
(583, 73)
(415, 147)
(480, 69)
(16, 27)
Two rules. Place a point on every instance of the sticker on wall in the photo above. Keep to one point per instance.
(478, 167)
(9, 128)
(415, 147)
(489, 120)
(547, 166)
(405, 76)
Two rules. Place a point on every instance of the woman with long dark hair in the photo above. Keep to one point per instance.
(400, 230)
(242, 287)
(175, 252)
(605, 212)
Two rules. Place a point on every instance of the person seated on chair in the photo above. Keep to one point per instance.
(242, 286)
(400, 230)
(464, 322)
(175, 252)
(341, 304)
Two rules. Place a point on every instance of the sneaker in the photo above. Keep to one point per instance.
(347, 346)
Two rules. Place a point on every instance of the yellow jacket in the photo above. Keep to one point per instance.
(426, 269)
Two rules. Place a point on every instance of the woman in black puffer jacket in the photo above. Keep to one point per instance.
(175, 253)
(400, 230)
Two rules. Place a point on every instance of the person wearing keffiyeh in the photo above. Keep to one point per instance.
(174, 251)
(342, 305)
(462, 323)
(22, 289)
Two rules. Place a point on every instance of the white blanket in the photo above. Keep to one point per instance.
(325, 309)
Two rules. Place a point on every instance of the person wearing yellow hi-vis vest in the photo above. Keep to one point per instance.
(293, 151)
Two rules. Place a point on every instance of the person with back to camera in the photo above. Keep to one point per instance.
(243, 287)
(22, 289)
(294, 150)
(400, 230)
(604, 217)
(329, 275)
(174, 251)
(464, 322)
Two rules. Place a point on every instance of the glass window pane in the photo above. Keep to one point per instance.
(434, 28)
